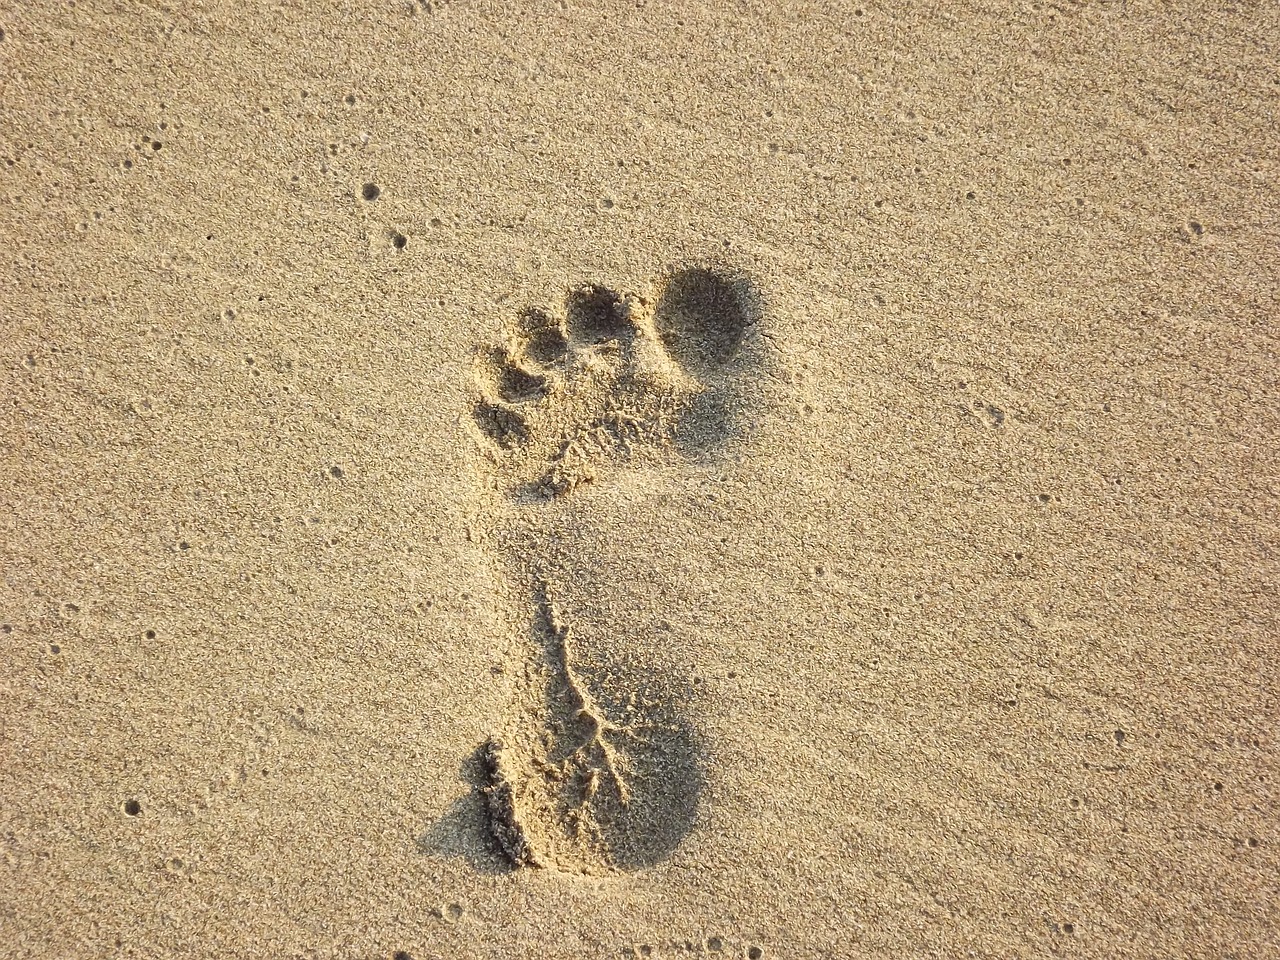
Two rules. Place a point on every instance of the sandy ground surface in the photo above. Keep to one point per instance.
(625, 479)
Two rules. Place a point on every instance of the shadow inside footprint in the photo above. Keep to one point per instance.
(703, 318)
(593, 315)
(544, 339)
(666, 783)
(601, 772)
(516, 385)
(500, 424)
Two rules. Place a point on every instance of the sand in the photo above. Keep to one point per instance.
(625, 479)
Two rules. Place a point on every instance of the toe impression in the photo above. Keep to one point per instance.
(702, 317)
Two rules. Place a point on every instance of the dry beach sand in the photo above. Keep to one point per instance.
(636, 479)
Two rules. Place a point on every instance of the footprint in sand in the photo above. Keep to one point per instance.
(613, 376)
(597, 768)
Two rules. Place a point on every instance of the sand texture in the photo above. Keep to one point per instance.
(571, 480)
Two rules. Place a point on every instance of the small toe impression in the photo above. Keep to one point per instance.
(594, 314)
(702, 317)
(519, 386)
(513, 382)
(543, 336)
(501, 424)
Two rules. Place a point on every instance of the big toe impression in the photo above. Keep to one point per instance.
(702, 317)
